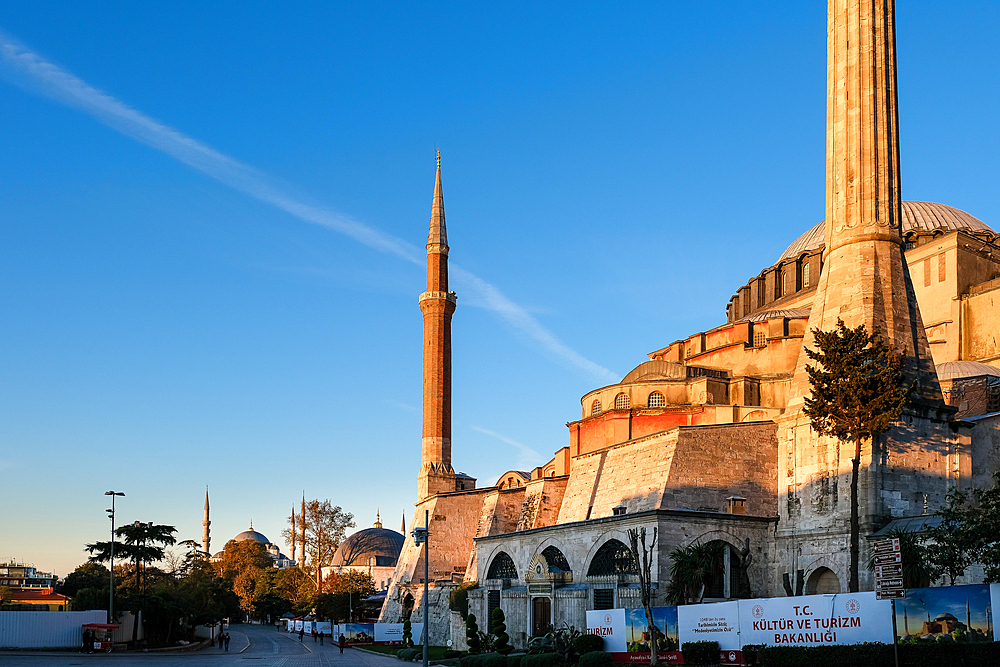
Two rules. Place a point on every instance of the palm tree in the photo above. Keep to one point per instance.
(692, 571)
(143, 544)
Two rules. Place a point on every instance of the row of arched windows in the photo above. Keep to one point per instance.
(613, 558)
(623, 402)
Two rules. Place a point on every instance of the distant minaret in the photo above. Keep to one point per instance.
(906, 623)
(378, 520)
(437, 304)
(292, 533)
(402, 528)
(968, 616)
(302, 528)
(206, 539)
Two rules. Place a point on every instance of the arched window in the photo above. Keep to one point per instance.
(622, 402)
(805, 273)
(595, 408)
(555, 559)
(656, 400)
(502, 567)
(613, 558)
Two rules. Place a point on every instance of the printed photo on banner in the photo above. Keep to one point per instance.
(637, 631)
(963, 612)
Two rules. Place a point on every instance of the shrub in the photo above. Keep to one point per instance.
(458, 599)
(595, 659)
(494, 660)
(502, 643)
(407, 633)
(751, 653)
(409, 654)
(700, 653)
(514, 660)
(542, 660)
(588, 643)
(472, 635)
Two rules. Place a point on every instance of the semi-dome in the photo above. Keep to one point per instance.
(917, 216)
(951, 370)
(382, 544)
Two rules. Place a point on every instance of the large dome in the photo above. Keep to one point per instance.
(382, 544)
(917, 216)
(251, 535)
(953, 370)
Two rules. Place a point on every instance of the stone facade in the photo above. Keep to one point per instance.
(706, 441)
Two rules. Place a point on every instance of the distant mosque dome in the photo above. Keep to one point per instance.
(918, 216)
(252, 535)
(280, 559)
(377, 547)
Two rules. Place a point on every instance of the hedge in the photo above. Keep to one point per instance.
(595, 659)
(587, 643)
(700, 653)
(409, 654)
(964, 654)
(542, 660)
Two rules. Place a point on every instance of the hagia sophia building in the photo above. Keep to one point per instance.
(706, 440)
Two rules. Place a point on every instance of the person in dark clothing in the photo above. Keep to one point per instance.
(342, 642)
(320, 637)
(315, 635)
(225, 638)
(302, 633)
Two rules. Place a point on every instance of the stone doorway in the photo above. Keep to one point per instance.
(541, 616)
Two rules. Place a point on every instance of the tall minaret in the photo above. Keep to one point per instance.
(206, 539)
(292, 534)
(302, 528)
(437, 304)
(864, 280)
(402, 527)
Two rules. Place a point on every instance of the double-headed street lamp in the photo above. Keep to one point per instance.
(111, 591)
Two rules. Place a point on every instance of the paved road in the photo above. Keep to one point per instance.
(251, 646)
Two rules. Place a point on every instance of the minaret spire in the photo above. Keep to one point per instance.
(206, 533)
(292, 534)
(302, 529)
(378, 519)
(437, 305)
(402, 528)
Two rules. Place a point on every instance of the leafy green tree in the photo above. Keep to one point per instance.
(692, 570)
(858, 391)
(87, 575)
(472, 634)
(325, 526)
(968, 533)
(296, 586)
(6, 594)
(502, 643)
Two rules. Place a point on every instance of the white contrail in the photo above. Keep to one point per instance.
(528, 458)
(33, 73)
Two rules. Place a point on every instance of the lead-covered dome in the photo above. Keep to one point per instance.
(381, 544)
(953, 370)
(918, 216)
(252, 535)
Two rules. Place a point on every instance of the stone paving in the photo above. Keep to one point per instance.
(251, 646)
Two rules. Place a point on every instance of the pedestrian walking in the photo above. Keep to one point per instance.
(342, 642)
(320, 637)
(302, 633)
(221, 634)
(225, 637)
(314, 634)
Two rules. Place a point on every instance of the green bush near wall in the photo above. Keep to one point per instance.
(595, 659)
(700, 653)
(587, 643)
(542, 660)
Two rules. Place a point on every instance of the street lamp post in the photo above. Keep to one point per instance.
(420, 536)
(111, 581)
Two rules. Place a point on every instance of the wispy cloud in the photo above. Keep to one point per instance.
(527, 457)
(31, 72)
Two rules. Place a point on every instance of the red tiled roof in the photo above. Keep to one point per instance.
(40, 595)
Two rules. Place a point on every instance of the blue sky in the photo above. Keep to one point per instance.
(208, 217)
